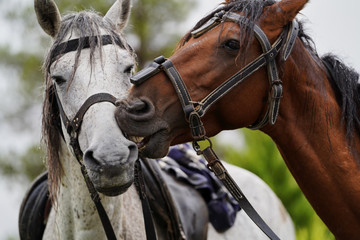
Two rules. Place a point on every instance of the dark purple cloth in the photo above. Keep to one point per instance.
(183, 163)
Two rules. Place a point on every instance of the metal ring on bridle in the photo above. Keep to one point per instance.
(197, 146)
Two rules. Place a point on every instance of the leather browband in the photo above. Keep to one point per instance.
(74, 44)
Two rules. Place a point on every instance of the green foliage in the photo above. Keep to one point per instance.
(153, 30)
(11, 238)
(150, 19)
(28, 66)
(25, 166)
(260, 156)
(152, 23)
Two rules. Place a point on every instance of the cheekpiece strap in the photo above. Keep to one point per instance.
(290, 39)
(180, 88)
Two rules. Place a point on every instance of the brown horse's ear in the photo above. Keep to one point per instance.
(283, 12)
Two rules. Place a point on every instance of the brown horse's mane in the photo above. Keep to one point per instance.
(344, 79)
(251, 9)
(82, 24)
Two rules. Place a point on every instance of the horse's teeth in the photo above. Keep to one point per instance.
(136, 139)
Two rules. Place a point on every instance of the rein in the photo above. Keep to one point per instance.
(195, 110)
(73, 127)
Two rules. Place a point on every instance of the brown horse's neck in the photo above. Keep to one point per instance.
(312, 139)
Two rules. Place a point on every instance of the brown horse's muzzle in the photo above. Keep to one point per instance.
(139, 110)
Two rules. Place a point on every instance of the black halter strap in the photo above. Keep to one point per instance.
(195, 110)
(74, 44)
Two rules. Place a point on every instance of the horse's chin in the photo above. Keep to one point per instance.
(115, 190)
(157, 146)
(113, 183)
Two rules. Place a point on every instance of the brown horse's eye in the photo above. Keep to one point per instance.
(231, 44)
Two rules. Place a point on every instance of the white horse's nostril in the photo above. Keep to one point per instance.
(91, 162)
(133, 152)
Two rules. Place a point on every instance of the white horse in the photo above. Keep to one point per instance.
(81, 63)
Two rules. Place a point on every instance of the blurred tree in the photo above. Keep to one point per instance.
(148, 33)
(155, 25)
(21, 57)
(153, 30)
(27, 167)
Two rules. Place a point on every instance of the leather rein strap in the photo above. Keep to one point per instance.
(140, 186)
(195, 110)
(73, 128)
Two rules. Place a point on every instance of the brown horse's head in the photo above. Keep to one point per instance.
(153, 109)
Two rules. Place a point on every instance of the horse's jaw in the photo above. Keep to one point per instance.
(74, 215)
(77, 221)
(151, 134)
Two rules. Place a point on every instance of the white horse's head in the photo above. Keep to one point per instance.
(88, 56)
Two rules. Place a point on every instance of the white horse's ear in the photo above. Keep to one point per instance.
(48, 16)
(119, 13)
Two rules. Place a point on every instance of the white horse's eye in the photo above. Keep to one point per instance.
(129, 69)
(58, 79)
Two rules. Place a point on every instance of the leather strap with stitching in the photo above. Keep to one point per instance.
(140, 186)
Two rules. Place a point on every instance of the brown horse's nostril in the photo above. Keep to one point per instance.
(140, 109)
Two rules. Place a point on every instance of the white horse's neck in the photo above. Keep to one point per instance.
(75, 215)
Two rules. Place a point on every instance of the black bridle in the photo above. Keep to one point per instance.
(195, 110)
(73, 127)
(285, 42)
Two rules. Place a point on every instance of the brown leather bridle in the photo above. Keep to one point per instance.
(195, 110)
(73, 127)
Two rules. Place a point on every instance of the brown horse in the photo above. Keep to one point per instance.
(317, 124)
